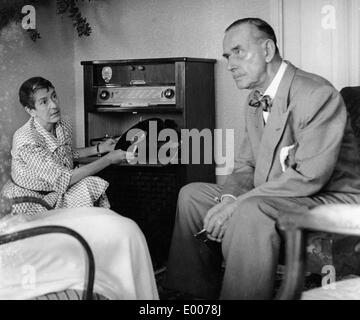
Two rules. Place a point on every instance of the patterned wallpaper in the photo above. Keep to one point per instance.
(11, 41)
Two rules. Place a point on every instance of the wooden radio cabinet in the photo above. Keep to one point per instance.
(120, 93)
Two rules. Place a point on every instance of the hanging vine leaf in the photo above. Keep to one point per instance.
(79, 22)
(34, 34)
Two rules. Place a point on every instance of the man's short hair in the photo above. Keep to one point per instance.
(261, 25)
(28, 89)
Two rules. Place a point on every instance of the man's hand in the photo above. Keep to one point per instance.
(217, 219)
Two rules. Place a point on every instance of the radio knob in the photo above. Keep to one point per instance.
(169, 93)
(104, 95)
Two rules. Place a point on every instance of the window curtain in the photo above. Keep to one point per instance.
(322, 36)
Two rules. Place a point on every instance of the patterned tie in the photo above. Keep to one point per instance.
(257, 100)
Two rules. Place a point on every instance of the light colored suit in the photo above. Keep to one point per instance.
(307, 113)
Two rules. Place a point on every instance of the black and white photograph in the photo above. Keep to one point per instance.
(179, 153)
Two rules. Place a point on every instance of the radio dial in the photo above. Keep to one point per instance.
(169, 93)
(104, 95)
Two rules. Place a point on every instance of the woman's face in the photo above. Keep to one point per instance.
(47, 111)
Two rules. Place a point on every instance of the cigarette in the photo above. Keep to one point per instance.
(202, 231)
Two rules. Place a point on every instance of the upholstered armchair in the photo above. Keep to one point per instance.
(341, 221)
(325, 236)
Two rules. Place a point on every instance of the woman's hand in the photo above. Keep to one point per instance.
(113, 157)
(119, 155)
(108, 145)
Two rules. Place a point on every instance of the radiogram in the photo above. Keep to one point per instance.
(118, 94)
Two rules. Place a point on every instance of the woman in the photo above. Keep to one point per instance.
(42, 157)
(42, 167)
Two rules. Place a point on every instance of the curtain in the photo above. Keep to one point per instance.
(323, 37)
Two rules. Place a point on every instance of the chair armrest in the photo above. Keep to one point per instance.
(335, 218)
(18, 200)
(36, 231)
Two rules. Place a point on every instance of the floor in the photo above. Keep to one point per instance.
(311, 281)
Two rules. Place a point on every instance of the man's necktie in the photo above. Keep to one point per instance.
(257, 100)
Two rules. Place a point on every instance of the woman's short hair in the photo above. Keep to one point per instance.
(28, 89)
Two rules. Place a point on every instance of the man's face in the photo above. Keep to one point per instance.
(46, 110)
(245, 54)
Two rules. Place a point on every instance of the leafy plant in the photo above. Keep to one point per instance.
(79, 22)
(11, 11)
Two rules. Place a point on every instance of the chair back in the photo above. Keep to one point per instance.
(351, 96)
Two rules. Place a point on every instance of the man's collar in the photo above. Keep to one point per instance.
(274, 85)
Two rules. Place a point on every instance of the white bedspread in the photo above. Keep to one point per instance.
(50, 263)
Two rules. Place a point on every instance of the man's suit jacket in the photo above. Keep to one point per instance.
(307, 111)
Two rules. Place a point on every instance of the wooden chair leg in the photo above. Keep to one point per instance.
(292, 285)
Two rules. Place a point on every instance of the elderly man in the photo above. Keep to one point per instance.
(297, 152)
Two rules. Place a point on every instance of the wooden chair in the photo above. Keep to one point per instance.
(340, 219)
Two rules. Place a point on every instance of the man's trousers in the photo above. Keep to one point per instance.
(249, 249)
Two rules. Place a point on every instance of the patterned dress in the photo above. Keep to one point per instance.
(41, 167)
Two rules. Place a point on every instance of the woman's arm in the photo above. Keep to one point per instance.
(92, 168)
(103, 147)
(40, 170)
